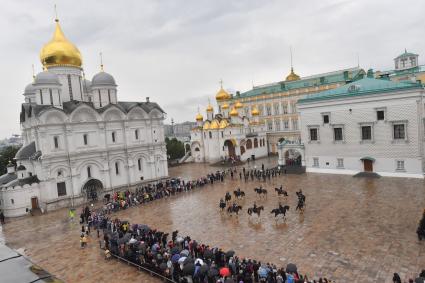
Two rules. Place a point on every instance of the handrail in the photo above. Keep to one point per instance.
(144, 268)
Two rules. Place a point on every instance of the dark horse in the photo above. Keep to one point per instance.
(260, 191)
(301, 201)
(281, 191)
(222, 205)
(239, 194)
(227, 197)
(234, 209)
(280, 210)
(256, 210)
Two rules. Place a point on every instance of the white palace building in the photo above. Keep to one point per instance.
(79, 140)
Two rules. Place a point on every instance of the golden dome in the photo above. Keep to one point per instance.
(215, 125)
(234, 112)
(59, 51)
(210, 108)
(238, 105)
(225, 106)
(199, 117)
(206, 126)
(254, 111)
(292, 76)
(222, 95)
(223, 124)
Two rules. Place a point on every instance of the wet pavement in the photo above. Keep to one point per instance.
(353, 229)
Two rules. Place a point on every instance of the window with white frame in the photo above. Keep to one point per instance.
(276, 109)
(277, 125)
(85, 139)
(269, 125)
(313, 134)
(326, 117)
(295, 124)
(315, 162)
(366, 133)
(338, 135)
(400, 165)
(269, 110)
(340, 163)
(285, 107)
(399, 131)
(56, 142)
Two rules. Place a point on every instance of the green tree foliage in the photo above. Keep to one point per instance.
(175, 148)
(7, 154)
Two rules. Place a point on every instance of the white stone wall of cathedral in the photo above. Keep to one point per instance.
(76, 79)
(350, 114)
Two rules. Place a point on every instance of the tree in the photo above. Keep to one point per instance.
(175, 148)
(7, 154)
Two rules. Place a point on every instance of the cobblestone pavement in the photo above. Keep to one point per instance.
(353, 230)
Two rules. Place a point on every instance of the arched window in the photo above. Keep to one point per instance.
(88, 172)
(51, 96)
(85, 139)
(242, 150)
(139, 163)
(117, 168)
(113, 136)
(210, 134)
(248, 144)
(255, 143)
(136, 134)
(109, 95)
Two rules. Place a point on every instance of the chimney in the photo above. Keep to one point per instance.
(147, 99)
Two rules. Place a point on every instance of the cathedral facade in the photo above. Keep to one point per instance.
(229, 135)
(79, 141)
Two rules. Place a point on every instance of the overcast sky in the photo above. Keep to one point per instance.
(176, 52)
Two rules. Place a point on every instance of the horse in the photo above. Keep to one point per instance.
(260, 191)
(281, 191)
(234, 209)
(300, 205)
(239, 194)
(280, 210)
(222, 205)
(256, 210)
(227, 197)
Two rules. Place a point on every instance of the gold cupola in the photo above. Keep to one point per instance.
(222, 94)
(199, 117)
(234, 112)
(225, 106)
(215, 125)
(59, 51)
(292, 76)
(210, 108)
(238, 105)
(254, 111)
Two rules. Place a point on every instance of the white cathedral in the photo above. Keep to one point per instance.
(79, 140)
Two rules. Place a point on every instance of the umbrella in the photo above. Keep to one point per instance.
(175, 250)
(124, 239)
(224, 272)
(163, 266)
(184, 253)
(420, 280)
(229, 280)
(230, 253)
(291, 268)
(179, 239)
(200, 261)
(213, 272)
(188, 260)
(262, 272)
(182, 259)
(144, 228)
(189, 269)
(208, 254)
(175, 258)
(204, 269)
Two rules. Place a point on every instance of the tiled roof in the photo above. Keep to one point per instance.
(316, 80)
(361, 87)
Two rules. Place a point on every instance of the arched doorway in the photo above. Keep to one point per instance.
(248, 144)
(230, 148)
(293, 157)
(255, 143)
(242, 150)
(91, 189)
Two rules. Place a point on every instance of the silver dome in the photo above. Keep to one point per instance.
(46, 77)
(102, 78)
(29, 89)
